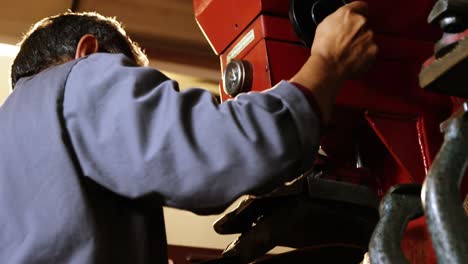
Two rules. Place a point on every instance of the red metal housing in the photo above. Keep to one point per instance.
(394, 122)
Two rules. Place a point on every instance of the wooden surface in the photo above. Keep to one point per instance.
(17, 16)
(167, 30)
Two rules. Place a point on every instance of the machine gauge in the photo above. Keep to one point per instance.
(237, 77)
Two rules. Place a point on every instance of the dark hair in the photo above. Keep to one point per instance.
(53, 41)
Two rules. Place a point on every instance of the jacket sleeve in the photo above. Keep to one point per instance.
(136, 135)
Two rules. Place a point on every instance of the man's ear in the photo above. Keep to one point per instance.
(87, 45)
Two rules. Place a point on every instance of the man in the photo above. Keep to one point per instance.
(93, 143)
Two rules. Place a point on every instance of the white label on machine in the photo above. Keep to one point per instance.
(244, 42)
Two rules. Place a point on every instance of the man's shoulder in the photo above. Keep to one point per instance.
(101, 59)
(49, 78)
(101, 77)
(111, 70)
(93, 63)
(102, 65)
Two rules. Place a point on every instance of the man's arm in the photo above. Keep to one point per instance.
(133, 133)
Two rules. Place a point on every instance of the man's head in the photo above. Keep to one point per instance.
(58, 39)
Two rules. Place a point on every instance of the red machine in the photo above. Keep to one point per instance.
(385, 128)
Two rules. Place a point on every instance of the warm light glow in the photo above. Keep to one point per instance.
(7, 50)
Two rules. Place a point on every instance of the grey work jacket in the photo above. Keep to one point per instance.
(92, 149)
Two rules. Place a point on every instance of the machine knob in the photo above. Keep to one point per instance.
(305, 15)
(237, 77)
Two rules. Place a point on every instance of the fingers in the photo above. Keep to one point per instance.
(368, 42)
(355, 14)
(358, 7)
(369, 51)
(367, 36)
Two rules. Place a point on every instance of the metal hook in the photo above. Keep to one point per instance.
(401, 204)
(446, 219)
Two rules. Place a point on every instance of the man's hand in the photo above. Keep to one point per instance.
(343, 48)
(344, 41)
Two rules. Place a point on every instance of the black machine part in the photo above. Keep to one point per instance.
(450, 15)
(305, 15)
(309, 213)
(447, 74)
(452, 18)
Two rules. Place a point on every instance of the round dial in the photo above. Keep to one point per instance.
(237, 77)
